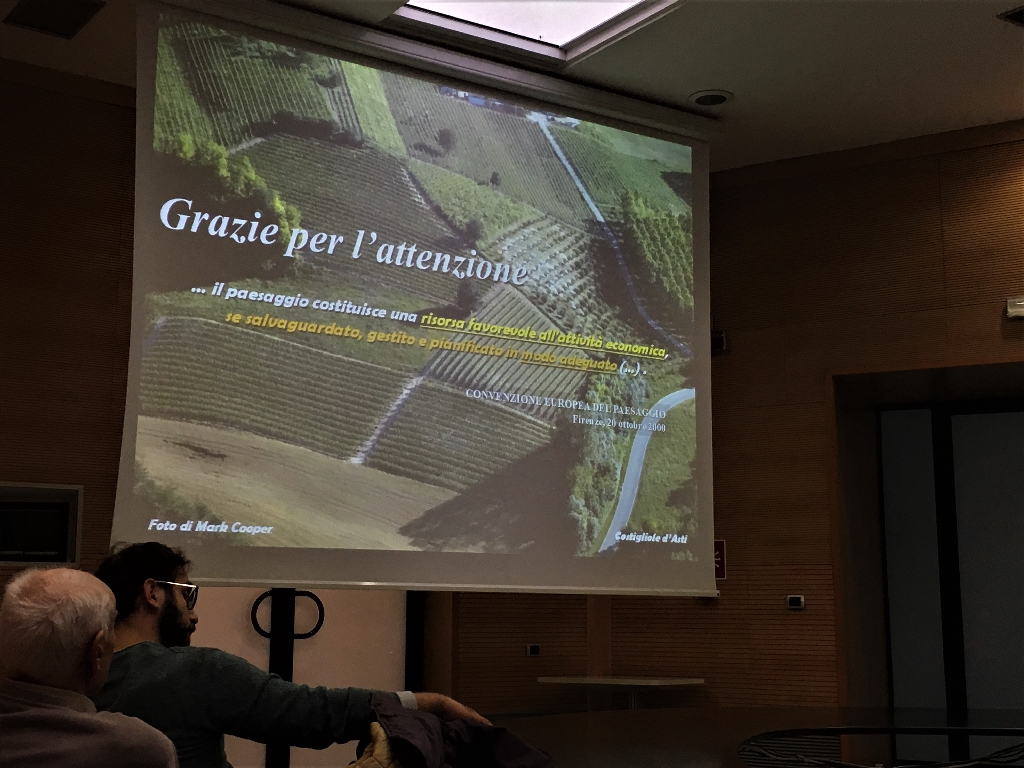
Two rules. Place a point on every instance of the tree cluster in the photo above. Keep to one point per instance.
(237, 175)
(664, 241)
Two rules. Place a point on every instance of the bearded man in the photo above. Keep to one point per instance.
(197, 695)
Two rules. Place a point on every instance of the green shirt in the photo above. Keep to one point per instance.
(196, 695)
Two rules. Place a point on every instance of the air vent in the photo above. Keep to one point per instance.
(62, 18)
(1016, 16)
(40, 523)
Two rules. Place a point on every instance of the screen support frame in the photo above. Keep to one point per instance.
(353, 42)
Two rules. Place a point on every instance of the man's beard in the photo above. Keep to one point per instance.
(175, 629)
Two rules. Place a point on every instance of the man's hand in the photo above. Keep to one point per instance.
(446, 708)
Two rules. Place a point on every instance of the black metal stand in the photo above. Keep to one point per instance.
(282, 637)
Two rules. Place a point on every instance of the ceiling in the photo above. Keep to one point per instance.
(808, 76)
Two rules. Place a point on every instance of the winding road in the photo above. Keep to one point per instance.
(542, 121)
(635, 466)
(638, 451)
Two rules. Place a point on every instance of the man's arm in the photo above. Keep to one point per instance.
(245, 701)
(242, 700)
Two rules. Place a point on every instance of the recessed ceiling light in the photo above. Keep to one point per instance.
(555, 22)
(551, 33)
(1016, 16)
(712, 98)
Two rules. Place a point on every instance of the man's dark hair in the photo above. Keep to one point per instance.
(126, 569)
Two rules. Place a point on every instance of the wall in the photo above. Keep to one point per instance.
(880, 259)
(67, 160)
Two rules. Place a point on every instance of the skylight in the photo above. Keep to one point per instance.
(555, 22)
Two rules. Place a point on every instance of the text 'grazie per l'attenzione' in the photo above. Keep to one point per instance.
(176, 214)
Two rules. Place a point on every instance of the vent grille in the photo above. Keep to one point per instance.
(1016, 16)
(62, 18)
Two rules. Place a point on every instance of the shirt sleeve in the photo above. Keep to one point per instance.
(243, 700)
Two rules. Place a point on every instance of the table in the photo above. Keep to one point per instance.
(632, 684)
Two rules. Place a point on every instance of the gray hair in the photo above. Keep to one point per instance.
(48, 618)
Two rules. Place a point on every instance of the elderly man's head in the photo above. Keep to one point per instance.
(56, 629)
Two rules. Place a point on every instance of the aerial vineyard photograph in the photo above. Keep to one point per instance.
(520, 383)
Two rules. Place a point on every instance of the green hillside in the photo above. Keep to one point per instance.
(506, 306)
(176, 110)
(478, 211)
(663, 242)
(661, 505)
(477, 143)
(342, 190)
(371, 106)
(443, 438)
(607, 172)
(239, 82)
(198, 370)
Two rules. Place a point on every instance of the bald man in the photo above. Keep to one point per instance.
(56, 643)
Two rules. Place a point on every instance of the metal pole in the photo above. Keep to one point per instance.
(282, 657)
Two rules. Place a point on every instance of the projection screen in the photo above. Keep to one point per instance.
(393, 329)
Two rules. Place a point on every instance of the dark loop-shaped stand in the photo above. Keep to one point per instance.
(282, 636)
(295, 593)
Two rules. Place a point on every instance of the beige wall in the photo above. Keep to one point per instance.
(361, 643)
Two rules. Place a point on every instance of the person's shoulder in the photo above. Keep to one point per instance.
(201, 654)
(146, 664)
(148, 653)
(136, 744)
(144, 651)
(210, 657)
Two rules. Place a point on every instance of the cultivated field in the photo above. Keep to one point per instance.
(260, 425)
(197, 370)
(564, 284)
(608, 173)
(241, 85)
(483, 141)
(311, 500)
(342, 190)
(507, 307)
(443, 437)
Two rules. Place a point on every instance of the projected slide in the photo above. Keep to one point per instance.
(379, 312)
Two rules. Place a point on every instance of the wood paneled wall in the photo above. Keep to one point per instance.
(67, 160)
(880, 259)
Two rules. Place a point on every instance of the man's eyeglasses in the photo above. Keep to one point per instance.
(189, 591)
